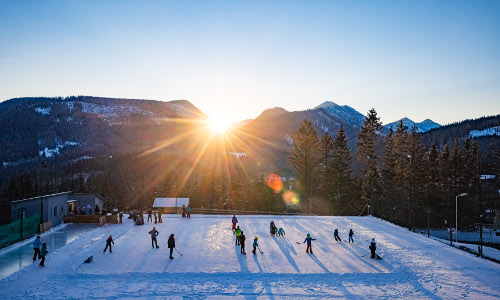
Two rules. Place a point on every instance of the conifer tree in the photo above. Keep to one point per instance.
(342, 169)
(368, 140)
(386, 204)
(304, 158)
(325, 171)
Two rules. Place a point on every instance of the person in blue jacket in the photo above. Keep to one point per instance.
(255, 244)
(309, 240)
(281, 232)
(43, 252)
(36, 247)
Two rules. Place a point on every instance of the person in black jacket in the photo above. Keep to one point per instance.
(373, 247)
(108, 244)
(171, 245)
(242, 243)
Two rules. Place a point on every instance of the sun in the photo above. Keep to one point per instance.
(219, 123)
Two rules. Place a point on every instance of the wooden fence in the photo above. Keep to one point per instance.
(215, 211)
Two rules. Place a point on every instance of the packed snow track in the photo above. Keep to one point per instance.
(413, 266)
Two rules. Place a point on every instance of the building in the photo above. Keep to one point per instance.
(55, 206)
(170, 205)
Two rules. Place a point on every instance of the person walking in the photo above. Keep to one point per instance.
(255, 244)
(156, 218)
(373, 247)
(238, 233)
(309, 240)
(234, 220)
(160, 212)
(154, 233)
(171, 245)
(121, 217)
(242, 243)
(336, 235)
(183, 210)
(150, 215)
(43, 252)
(108, 244)
(188, 210)
(36, 247)
(351, 233)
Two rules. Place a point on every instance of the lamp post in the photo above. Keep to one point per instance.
(456, 215)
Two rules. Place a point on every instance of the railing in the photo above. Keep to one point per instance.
(215, 211)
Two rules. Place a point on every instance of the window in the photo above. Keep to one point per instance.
(55, 211)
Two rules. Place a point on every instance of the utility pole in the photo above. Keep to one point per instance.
(43, 166)
(451, 238)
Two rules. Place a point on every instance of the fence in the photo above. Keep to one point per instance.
(13, 232)
(214, 211)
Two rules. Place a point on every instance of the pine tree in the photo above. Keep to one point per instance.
(386, 205)
(368, 140)
(304, 158)
(402, 170)
(342, 169)
(325, 169)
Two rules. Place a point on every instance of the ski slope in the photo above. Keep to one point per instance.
(212, 266)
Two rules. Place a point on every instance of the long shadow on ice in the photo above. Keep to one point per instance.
(242, 259)
(361, 258)
(285, 248)
(316, 260)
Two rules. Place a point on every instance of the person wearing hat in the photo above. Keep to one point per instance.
(108, 244)
(255, 244)
(238, 233)
(43, 252)
(309, 240)
(373, 247)
(154, 233)
(336, 235)
(171, 245)
(242, 243)
(234, 220)
(351, 233)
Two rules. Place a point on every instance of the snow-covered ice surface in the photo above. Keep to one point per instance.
(212, 267)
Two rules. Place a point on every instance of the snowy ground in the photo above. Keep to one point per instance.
(212, 267)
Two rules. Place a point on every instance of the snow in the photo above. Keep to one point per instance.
(489, 235)
(423, 126)
(485, 132)
(212, 267)
(44, 111)
(238, 154)
(51, 152)
(85, 157)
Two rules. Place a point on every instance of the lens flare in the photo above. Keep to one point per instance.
(274, 181)
(290, 197)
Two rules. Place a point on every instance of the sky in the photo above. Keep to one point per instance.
(416, 59)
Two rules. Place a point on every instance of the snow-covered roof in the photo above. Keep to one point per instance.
(170, 202)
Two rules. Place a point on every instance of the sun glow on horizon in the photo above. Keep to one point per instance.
(219, 123)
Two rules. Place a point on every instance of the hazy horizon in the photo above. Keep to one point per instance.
(421, 60)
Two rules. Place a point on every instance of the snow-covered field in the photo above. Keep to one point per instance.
(212, 266)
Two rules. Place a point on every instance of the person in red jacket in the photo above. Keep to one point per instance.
(108, 243)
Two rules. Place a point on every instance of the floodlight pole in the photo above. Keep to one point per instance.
(456, 215)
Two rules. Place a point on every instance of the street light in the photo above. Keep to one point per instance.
(456, 215)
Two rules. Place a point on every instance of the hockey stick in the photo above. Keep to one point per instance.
(178, 251)
(299, 243)
(260, 250)
(366, 254)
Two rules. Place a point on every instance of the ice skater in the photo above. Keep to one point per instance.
(154, 233)
(242, 243)
(238, 233)
(255, 244)
(36, 247)
(309, 240)
(160, 212)
(171, 245)
(188, 210)
(183, 210)
(121, 217)
(281, 232)
(336, 235)
(351, 233)
(272, 228)
(108, 244)
(234, 220)
(43, 252)
(150, 215)
(373, 247)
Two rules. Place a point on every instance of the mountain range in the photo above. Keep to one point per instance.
(78, 128)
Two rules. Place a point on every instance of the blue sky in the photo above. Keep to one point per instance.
(419, 59)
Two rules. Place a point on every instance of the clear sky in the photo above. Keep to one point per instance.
(420, 59)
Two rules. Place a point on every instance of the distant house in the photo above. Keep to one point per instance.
(238, 155)
(55, 206)
(170, 205)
